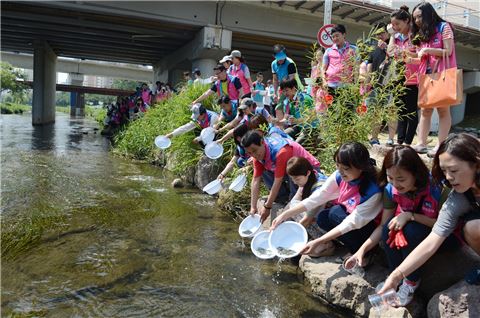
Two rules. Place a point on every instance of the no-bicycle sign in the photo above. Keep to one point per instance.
(323, 36)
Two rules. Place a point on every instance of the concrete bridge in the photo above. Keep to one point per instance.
(174, 36)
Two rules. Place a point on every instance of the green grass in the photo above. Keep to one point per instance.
(12, 108)
(137, 139)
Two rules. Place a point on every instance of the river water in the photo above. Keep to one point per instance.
(89, 234)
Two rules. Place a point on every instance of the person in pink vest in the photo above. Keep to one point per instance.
(402, 49)
(225, 85)
(146, 94)
(241, 70)
(338, 61)
(411, 202)
(358, 201)
(457, 165)
(434, 36)
(270, 163)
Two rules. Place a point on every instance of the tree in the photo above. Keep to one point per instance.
(9, 79)
(127, 85)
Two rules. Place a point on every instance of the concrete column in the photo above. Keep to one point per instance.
(44, 83)
(159, 74)
(205, 66)
(209, 45)
(77, 100)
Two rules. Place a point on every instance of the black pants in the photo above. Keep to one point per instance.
(408, 116)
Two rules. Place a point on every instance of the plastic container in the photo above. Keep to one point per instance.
(207, 135)
(250, 226)
(288, 239)
(238, 183)
(383, 301)
(354, 269)
(162, 142)
(213, 150)
(260, 247)
(213, 187)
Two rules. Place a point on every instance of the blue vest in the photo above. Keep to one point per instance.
(233, 114)
(277, 132)
(260, 87)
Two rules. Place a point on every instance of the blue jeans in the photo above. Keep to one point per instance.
(287, 190)
(414, 233)
(329, 218)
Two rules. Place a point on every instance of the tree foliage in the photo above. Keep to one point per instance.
(9, 79)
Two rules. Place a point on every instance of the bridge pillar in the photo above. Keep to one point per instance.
(209, 45)
(77, 100)
(44, 83)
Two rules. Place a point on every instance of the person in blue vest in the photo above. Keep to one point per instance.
(283, 68)
(228, 113)
(224, 85)
(258, 90)
(201, 118)
(294, 110)
(270, 156)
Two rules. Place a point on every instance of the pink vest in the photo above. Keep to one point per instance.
(232, 90)
(339, 68)
(146, 96)
(429, 61)
(411, 70)
(430, 204)
(349, 196)
(239, 72)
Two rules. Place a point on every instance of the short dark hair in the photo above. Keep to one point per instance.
(407, 159)
(338, 28)
(259, 74)
(223, 100)
(240, 131)
(251, 137)
(291, 83)
(220, 67)
(277, 48)
(463, 146)
(257, 121)
(202, 110)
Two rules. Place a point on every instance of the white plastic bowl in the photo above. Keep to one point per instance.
(260, 247)
(288, 236)
(251, 224)
(214, 150)
(238, 183)
(213, 187)
(162, 142)
(207, 135)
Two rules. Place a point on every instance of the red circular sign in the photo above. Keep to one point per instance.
(323, 36)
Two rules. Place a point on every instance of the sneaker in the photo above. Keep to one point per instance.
(374, 141)
(420, 149)
(389, 142)
(405, 292)
(473, 277)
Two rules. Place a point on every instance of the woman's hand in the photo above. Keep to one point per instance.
(277, 221)
(398, 222)
(309, 247)
(358, 257)
(391, 282)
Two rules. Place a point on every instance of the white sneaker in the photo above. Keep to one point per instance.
(405, 293)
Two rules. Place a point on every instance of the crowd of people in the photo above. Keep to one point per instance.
(413, 211)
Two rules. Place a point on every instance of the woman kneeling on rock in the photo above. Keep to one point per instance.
(411, 202)
(358, 202)
(457, 164)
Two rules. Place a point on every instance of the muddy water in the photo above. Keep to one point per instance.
(88, 234)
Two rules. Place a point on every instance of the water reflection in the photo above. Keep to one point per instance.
(111, 244)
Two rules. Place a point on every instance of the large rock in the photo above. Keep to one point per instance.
(335, 286)
(206, 171)
(460, 300)
(445, 269)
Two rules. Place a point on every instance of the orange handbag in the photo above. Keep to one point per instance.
(440, 89)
